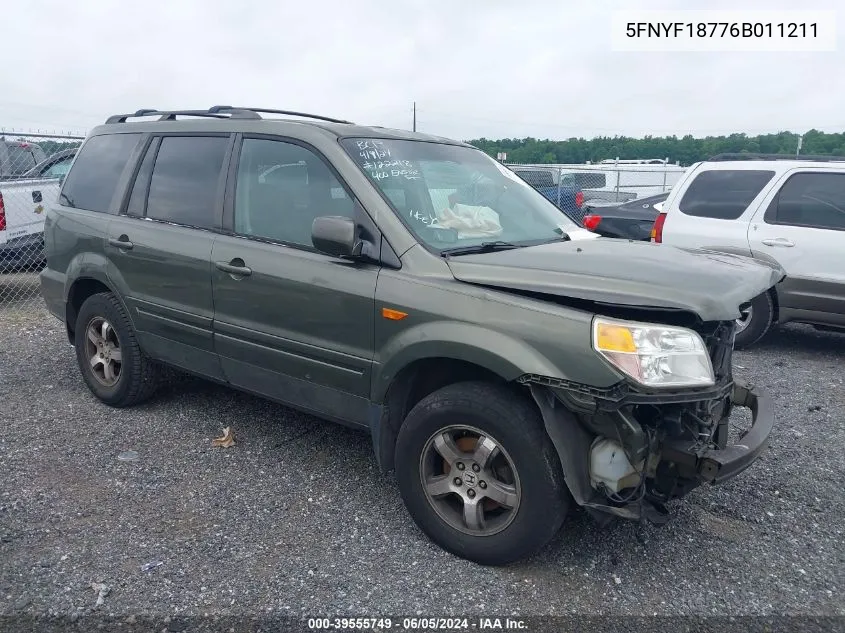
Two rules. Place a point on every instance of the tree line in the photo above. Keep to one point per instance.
(685, 150)
(51, 147)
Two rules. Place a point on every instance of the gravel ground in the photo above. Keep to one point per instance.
(295, 518)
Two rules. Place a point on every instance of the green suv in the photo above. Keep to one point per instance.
(504, 360)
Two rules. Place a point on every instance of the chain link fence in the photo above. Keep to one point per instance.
(573, 187)
(32, 167)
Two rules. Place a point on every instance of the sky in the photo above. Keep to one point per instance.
(476, 68)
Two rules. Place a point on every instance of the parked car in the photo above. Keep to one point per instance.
(573, 188)
(774, 208)
(565, 194)
(18, 157)
(54, 166)
(630, 220)
(504, 360)
(22, 202)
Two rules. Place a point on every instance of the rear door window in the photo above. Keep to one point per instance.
(92, 180)
(814, 200)
(186, 179)
(723, 194)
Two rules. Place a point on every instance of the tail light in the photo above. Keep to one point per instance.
(2, 214)
(657, 229)
(591, 221)
(579, 199)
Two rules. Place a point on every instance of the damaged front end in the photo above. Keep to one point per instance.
(628, 449)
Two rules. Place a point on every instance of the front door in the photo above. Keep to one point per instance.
(159, 249)
(803, 229)
(291, 323)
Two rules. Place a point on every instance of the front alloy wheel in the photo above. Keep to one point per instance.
(470, 480)
(479, 474)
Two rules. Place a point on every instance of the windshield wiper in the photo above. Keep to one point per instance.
(484, 247)
(563, 237)
(69, 201)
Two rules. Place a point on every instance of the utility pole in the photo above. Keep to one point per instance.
(800, 143)
(415, 116)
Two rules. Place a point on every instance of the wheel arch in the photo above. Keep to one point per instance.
(418, 379)
(78, 291)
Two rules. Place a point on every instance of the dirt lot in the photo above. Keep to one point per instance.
(296, 519)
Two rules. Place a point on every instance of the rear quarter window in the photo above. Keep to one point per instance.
(92, 179)
(723, 194)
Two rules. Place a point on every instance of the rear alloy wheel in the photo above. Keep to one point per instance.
(754, 321)
(103, 351)
(478, 473)
(112, 363)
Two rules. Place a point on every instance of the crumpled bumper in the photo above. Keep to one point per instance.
(715, 465)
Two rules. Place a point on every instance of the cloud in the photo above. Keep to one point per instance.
(491, 68)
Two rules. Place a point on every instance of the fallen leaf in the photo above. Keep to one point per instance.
(226, 440)
(102, 591)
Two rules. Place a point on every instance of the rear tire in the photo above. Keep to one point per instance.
(112, 363)
(512, 498)
(757, 323)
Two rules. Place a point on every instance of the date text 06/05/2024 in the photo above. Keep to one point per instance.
(417, 624)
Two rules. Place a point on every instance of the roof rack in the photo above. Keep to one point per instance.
(218, 109)
(217, 112)
(170, 115)
(753, 156)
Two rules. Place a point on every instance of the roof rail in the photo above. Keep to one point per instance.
(170, 115)
(753, 156)
(218, 112)
(218, 109)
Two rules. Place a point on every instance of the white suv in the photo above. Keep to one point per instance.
(775, 207)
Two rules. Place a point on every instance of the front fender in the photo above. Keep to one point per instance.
(495, 351)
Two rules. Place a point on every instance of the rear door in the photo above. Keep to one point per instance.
(291, 323)
(714, 206)
(802, 227)
(159, 247)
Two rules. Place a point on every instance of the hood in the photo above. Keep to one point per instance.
(626, 273)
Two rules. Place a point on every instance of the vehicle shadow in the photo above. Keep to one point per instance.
(311, 444)
(799, 337)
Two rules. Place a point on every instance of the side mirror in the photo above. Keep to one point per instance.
(337, 236)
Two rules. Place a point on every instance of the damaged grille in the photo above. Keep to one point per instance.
(719, 339)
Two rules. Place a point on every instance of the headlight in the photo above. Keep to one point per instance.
(654, 355)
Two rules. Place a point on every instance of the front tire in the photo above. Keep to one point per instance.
(110, 359)
(479, 474)
(755, 321)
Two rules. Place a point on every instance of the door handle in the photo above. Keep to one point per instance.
(122, 244)
(234, 268)
(778, 241)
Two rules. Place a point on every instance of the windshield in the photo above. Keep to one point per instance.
(452, 196)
